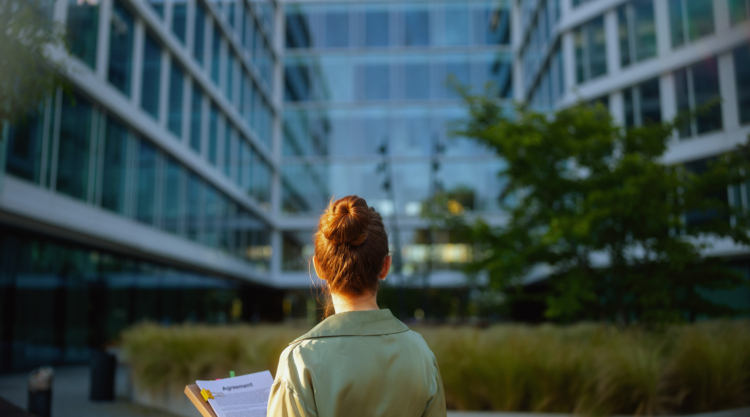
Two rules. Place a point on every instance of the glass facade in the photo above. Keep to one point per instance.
(82, 27)
(642, 103)
(60, 300)
(120, 69)
(742, 76)
(151, 76)
(698, 95)
(179, 19)
(590, 50)
(739, 11)
(637, 31)
(176, 93)
(690, 20)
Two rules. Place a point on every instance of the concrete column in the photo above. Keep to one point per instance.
(668, 99)
(617, 107)
(569, 62)
(728, 89)
(663, 35)
(721, 16)
(138, 47)
(164, 88)
(612, 42)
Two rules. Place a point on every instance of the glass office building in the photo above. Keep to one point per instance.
(647, 60)
(146, 191)
(368, 110)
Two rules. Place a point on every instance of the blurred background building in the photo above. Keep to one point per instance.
(182, 177)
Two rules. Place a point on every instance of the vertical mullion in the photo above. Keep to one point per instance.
(93, 137)
(158, 189)
(102, 47)
(685, 29)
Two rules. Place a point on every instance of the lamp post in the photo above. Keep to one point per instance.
(438, 148)
(386, 168)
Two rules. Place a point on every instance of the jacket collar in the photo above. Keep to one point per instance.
(356, 323)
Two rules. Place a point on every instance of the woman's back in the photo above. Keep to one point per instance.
(358, 363)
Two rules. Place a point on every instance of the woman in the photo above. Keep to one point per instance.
(361, 361)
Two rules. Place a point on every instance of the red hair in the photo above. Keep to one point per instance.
(351, 245)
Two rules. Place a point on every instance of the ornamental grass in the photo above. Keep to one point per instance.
(587, 369)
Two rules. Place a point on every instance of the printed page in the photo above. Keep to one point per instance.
(242, 396)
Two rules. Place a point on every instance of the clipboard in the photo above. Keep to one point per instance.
(194, 394)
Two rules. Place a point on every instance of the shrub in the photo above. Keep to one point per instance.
(587, 369)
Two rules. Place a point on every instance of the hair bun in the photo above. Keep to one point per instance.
(346, 221)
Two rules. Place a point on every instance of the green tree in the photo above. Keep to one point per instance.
(31, 49)
(619, 234)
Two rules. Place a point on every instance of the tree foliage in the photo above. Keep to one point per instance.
(29, 65)
(590, 205)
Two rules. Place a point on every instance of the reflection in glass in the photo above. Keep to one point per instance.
(146, 185)
(642, 103)
(179, 19)
(74, 148)
(414, 26)
(194, 208)
(376, 26)
(375, 81)
(24, 152)
(637, 31)
(742, 75)
(158, 6)
(590, 50)
(176, 89)
(336, 26)
(739, 11)
(456, 24)
(690, 20)
(229, 150)
(196, 116)
(491, 23)
(120, 67)
(151, 76)
(229, 83)
(213, 134)
(697, 88)
(215, 54)
(199, 33)
(115, 167)
(173, 196)
(82, 27)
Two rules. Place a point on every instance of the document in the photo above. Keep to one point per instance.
(241, 396)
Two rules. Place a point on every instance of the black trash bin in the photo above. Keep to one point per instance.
(103, 367)
(40, 392)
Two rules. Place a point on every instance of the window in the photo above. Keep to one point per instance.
(176, 88)
(739, 11)
(376, 81)
(246, 104)
(115, 167)
(215, 55)
(261, 181)
(642, 103)
(82, 28)
(591, 50)
(146, 184)
(25, 139)
(376, 27)
(193, 209)
(456, 24)
(637, 31)
(173, 204)
(245, 166)
(158, 6)
(690, 20)
(248, 31)
(196, 109)
(179, 19)
(74, 148)
(121, 49)
(228, 150)
(230, 76)
(336, 26)
(200, 33)
(213, 134)
(697, 90)
(416, 80)
(414, 26)
(579, 2)
(491, 24)
(742, 75)
(151, 77)
(230, 12)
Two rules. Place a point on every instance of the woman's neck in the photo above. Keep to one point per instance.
(363, 302)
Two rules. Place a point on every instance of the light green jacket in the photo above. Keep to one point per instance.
(358, 364)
